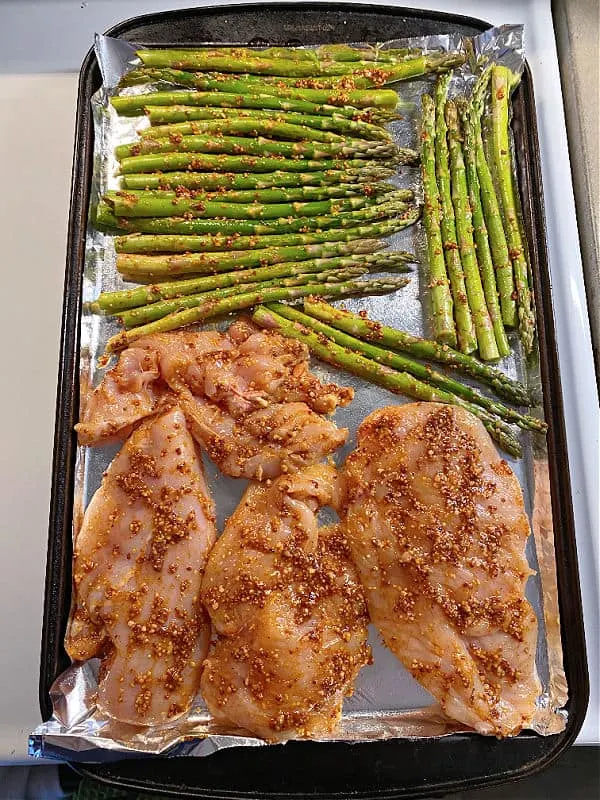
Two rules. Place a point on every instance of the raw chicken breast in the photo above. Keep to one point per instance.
(138, 565)
(264, 443)
(437, 530)
(252, 404)
(248, 395)
(243, 369)
(127, 394)
(291, 617)
(278, 367)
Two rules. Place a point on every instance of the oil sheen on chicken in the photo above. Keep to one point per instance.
(249, 397)
(437, 529)
(138, 565)
(291, 618)
(127, 394)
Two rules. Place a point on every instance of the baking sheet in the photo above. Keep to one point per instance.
(387, 701)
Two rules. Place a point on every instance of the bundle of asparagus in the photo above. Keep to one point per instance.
(245, 159)
(236, 70)
(478, 267)
(220, 302)
(255, 167)
(169, 305)
(345, 340)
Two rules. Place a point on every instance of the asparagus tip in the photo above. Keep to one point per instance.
(441, 62)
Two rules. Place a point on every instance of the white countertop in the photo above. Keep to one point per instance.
(40, 40)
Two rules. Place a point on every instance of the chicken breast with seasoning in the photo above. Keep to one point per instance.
(262, 444)
(138, 565)
(248, 395)
(437, 529)
(278, 368)
(252, 404)
(291, 617)
(126, 395)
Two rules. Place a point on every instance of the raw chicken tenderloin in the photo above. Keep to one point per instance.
(138, 565)
(437, 529)
(258, 410)
(135, 387)
(263, 443)
(127, 394)
(249, 398)
(251, 403)
(291, 617)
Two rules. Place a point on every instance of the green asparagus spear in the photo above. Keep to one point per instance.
(209, 103)
(331, 52)
(293, 194)
(182, 225)
(153, 311)
(240, 145)
(340, 104)
(502, 155)
(163, 117)
(113, 302)
(144, 269)
(158, 204)
(217, 162)
(200, 61)
(203, 263)
(361, 77)
(488, 350)
(295, 53)
(227, 61)
(424, 64)
(397, 382)
(467, 340)
(316, 89)
(137, 243)
(421, 371)
(216, 308)
(334, 52)
(332, 76)
(273, 128)
(484, 256)
(441, 297)
(363, 328)
(328, 52)
(218, 181)
(491, 210)
(345, 52)
(392, 69)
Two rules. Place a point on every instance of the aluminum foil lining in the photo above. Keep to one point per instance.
(387, 702)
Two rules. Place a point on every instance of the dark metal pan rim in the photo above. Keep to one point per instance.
(507, 760)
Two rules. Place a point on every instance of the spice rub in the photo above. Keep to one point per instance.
(437, 529)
